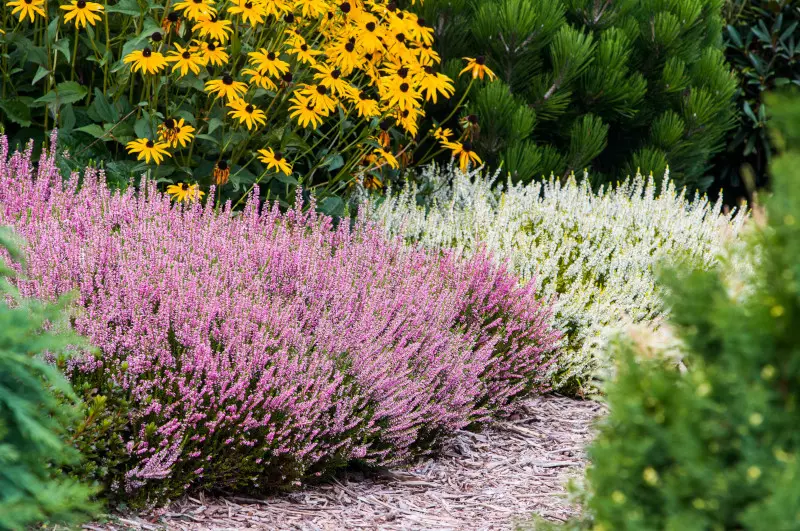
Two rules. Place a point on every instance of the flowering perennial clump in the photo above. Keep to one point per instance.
(259, 349)
(179, 87)
(594, 251)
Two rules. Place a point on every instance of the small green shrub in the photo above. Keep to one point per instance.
(36, 403)
(716, 446)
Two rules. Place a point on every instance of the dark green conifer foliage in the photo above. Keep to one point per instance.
(36, 403)
(611, 86)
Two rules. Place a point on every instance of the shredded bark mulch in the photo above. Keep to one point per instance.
(480, 481)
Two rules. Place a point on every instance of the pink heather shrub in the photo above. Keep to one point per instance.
(256, 350)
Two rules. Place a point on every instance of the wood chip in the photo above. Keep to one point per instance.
(478, 481)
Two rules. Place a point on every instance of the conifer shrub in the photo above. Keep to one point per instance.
(262, 349)
(608, 86)
(716, 446)
(36, 406)
(594, 252)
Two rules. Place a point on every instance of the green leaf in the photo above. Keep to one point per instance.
(213, 124)
(65, 92)
(67, 116)
(104, 110)
(63, 46)
(125, 7)
(40, 73)
(93, 129)
(142, 127)
(16, 111)
(52, 30)
(334, 162)
(209, 138)
(333, 206)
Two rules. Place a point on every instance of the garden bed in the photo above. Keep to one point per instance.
(484, 480)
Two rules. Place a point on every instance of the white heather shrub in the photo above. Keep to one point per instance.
(594, 252)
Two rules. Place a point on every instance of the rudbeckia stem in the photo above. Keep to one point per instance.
(74, 53)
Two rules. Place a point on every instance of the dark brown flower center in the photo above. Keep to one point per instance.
(349, 46)
(345, 7)
(184, 187)
(278, 155)
(428, 69)
(289, 18)
(370, 26)
(322, 90)
(481, 60)
(248, 5)
(421, 21)
(211, 47)
(368, 56)
(173, 17)
(400, 37)
(472, 118)
(248, 109)
(149, 144)
(169, 123)
(288, 77)
(222, 165)
(186, 55)
(404, 87)
(81, 4)
(363, 95)
(336, 73)
(156, 36)
(227, 79)
(271, 56)
(304, 47)
(467, 146)
(147, 52)
(402, 72)
(385, 125)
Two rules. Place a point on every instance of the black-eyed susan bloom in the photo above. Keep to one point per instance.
(222, 172)
(213, 28)
(443, 134)
(268, 62)
(259, 79)
(184, 60)
(226, 87)
(147, 149)
(82, 12)
(478, 68)
(402, 94)
(431, 83)
(172, 20)
(386, 158)
(27, 8)
(251, 12)
(146, 61)
(305, 53)
(366, 106)
(247, 114)
(212, 52)
(275, 161)
(175, 132)
(196, 9)
(185, 192)
(464, 153)
(305, 112)
(320, 97)
(331, 77)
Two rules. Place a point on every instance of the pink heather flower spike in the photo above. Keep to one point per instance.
(265, 348)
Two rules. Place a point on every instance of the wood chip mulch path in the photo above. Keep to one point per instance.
(479, 481)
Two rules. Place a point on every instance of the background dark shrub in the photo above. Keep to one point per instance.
(762, 43)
